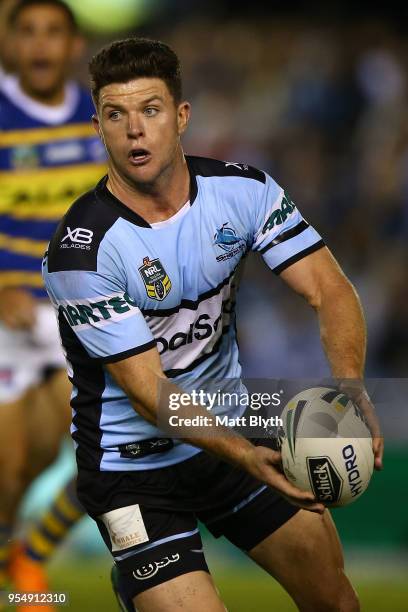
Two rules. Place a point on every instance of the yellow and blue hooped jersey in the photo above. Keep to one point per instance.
(48, 157)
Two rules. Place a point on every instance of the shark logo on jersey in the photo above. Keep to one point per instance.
(226, 239)
(155, 278)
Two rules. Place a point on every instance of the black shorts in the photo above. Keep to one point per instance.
(148, 518)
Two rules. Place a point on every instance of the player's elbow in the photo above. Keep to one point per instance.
(331, 291)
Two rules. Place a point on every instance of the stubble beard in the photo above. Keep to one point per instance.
(43, 94)
(152, 185)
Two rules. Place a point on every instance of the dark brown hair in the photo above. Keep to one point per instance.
(125, 60)
(23, 4)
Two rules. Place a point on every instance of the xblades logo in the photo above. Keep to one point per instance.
(237, 165)
(80, 239)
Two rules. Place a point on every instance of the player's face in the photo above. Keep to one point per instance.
(44, 45)
(141, 126)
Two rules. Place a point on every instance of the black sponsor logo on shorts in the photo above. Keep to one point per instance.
(324, 479)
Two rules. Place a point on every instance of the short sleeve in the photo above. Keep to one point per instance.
(282, 236)
(104, 317)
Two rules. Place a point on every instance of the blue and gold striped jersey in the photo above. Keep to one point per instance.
(48, 157)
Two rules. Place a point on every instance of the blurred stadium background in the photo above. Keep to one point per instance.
(316, 94)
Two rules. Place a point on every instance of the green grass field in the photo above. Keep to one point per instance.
(245, 589)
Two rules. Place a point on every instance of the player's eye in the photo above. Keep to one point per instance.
(114, 115)
(151, 111)
(55, 31)
(26, 30)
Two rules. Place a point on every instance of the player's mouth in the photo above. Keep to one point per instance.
(139, 156)
(41, 65)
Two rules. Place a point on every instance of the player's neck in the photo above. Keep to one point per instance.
(51, 98)
(160, 201)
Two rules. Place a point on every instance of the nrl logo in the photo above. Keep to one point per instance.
(155, 278)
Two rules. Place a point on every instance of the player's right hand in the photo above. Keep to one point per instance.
(17, 308)
(265, 464)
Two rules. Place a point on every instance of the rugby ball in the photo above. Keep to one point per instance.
(326, 446)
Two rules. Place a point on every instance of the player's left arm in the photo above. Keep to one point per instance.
(320, 280)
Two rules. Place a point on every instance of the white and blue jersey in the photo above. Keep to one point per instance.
(121, 286)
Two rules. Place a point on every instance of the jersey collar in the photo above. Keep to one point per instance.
(103, 193)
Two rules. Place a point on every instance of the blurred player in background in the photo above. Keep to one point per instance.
(6, 62)
(49, 154)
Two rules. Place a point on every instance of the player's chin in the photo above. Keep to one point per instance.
(144, 173)
(44, 87)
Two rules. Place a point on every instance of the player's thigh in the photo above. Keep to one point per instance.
(12, 432)
(59, 394)
(192, 592)
(305, 556)
(158, 552)
(13, 449)
(47, 420)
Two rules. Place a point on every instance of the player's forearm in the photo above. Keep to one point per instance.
(216, 439)
(343, 330)
(149, 392)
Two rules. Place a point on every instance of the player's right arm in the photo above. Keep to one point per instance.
(17, 308)
(148, 389)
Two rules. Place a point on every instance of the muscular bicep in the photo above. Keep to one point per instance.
(315, 275)
(141, 378)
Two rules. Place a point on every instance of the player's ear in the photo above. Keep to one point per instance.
(183, 116)
(78, 47)
(97, 126)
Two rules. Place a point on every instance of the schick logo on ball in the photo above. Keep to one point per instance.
(325, 481)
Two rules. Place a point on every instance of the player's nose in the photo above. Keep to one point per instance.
(135, 126)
